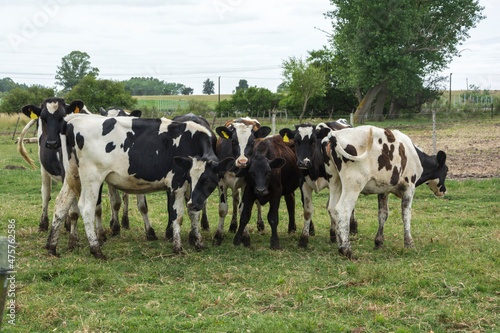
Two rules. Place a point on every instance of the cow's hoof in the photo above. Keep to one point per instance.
(233, 227)
(101, 237)
(218, 237)
(97, 253)
(312, 231)
(304, 241)
(125, 222)
(275, 245)
(44, 224)
(260, 225)
(151, 235)
(333, 237)
(51, 251)
(292, 230)
(194, 239)
(72, 242)
(346, 252)
(246, 240)
(379, 243)
(205, 226)
(409, 243)
(179, 251)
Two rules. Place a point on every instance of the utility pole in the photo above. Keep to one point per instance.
(219, 89)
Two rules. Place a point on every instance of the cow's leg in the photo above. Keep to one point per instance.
(195, 238)
(204, 218)
(125, 219)
(169, 231)
(273, 219)
(101, 234)
(46, 188)
(235, 194)
(353, 224)
(260, 220)
(142, 205)
(115, 202)
(177, 209)
(87, 206)
(223, 209)
(64, 200)
(342, 214)
(335, 192)
(383, 214)
(73, 218)
(290, 206)
(406, 213)
(306, 193)
(246, 211)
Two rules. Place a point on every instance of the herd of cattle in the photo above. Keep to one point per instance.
(183, 157)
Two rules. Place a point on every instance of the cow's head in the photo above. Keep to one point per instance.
(305, 138)
(260, 172)
(204, 176)
(243, 138)
(51, 114)
(438, 175)
(118, 112)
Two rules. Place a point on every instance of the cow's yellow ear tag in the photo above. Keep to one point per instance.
(286, 139)
(33, 115)
(77, 110)
(225, 134)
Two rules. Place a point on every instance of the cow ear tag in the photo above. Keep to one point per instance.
(77, 110)
(225, 134)
(33, 115)
(286, 139)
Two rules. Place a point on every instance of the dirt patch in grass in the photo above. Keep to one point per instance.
(472, 149)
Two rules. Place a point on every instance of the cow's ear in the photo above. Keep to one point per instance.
(277, 163)
(136, 113)
(184, 163)
(441, 158)
(262, 132)
(75, 107)
(287, 134)
(103, 112)
(322, 133)
(31, 111)
(224, 132)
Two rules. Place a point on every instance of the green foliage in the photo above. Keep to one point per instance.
(208, 87)
(243, 84)
(7, 84)
(199, 108)
(13, 101)
(303, 80)
(400, 42)
(187, 91)
(74, 67)
(101, 93)
(139, 86)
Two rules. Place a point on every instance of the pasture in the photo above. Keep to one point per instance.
(450, 282)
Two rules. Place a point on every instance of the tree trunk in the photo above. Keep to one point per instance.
(378, 112)
(393, 109)
(366, 103)
(303, 110)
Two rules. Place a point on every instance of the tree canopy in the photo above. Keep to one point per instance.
(101, 93)
(208, 87)
(19, 97)
(74, 67)
(394, 44)
(139, 86)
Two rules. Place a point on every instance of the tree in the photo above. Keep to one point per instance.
(74, 67)
(388, 45)
(253, 100)
(19, 97)
(101, 93)
(208, 87)
(187, 91)
(243, 84)
(303, 80)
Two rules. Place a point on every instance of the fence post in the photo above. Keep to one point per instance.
(434, 132)
(273, 121)
(352, 119)
(15, 129)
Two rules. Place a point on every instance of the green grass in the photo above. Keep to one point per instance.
(450, 282)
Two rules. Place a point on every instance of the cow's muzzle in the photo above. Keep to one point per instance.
(193, 206)
(304, 164)
(53, 144)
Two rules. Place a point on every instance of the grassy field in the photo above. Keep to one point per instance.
(450, 282)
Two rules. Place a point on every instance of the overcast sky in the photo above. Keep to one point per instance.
(191, 40)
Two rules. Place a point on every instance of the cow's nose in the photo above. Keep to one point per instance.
(303, 164)
(52, 144)
(260, 190)
(242, 162)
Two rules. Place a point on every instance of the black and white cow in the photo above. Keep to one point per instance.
(372, 160)
(115, 200)
(237, 139)
(311, 162)
(49, 117)
(136, 156)
(271, 173)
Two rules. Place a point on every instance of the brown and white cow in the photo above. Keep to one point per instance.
(372, 160)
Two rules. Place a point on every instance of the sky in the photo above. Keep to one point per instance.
(191, 40)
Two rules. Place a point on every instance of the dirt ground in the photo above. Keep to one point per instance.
(473, 150)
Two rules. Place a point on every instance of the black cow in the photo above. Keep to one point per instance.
(136, 156)
(271, 173)
(237, 139)
(311, 162)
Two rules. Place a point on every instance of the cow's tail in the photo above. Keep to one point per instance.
(20, 144)
(369, 143)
